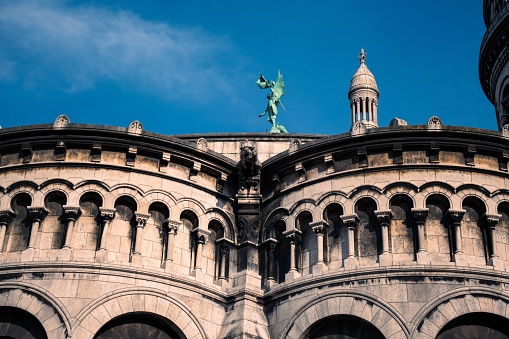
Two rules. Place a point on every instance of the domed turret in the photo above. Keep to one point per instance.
(363, 95)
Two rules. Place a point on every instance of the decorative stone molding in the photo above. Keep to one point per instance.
(135, 127)
(6, 217)
(294, 145)
(200, 235)
(420, 214)
(202, 145)
(141, 219)
(37, 213)
(492, 219)
(329, 161)
(26, 153)
(470, 155)
(72, 212)
(301, 170)
(397, 122)
(358, 128)
(434, 123)
(194, 170)
(107, 213)
(61, 121)
(319, 227)
(456, 215)
(95, 153)
(131, 156)
(293, 235)
(173, 225)
(350, 220)
(164, 162)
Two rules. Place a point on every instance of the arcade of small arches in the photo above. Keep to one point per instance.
(92, 222)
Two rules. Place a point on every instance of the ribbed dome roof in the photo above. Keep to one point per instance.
(363, 78)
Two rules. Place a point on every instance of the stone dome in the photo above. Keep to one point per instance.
(363, 78)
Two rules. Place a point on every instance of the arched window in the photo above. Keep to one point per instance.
(502, 239)
(403, 235)
(369, 240)
(54, 225)
(190, 223)
(472, 232)
(213, 249)
(122, 229)
(342, 327)
(337, 235)
(155, 233)
(87, 226)
(438, 230)
(308, 241)
(18, 232)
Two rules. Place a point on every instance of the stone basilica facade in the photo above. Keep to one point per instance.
(381, 232)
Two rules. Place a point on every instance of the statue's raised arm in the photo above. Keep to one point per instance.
(277, 90)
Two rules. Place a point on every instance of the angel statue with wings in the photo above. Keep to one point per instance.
(277, 90)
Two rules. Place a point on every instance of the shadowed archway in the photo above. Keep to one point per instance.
(476, 325)
(342, 327)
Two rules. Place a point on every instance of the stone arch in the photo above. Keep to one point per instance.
(190, 205)
(362, 305)
(125, 190)
(368, 238)
(305, 205)
(230, 232)
(86, 187)
(49, 186)
(471, 190)
(433, 316)
(404, 190)
(160, 196)
(335, 198)
(53, 316)
(273, 217)
(380, 199)
(437, 189)
(139, 299)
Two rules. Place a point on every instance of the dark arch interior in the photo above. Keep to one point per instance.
(474, 208)
(343, 327)
(159, 212)
(16, 323)
(139, 325)
(125, 208)
(54, 202)
(401, 206)
(476, 325)
(90, 203)
(189, 219)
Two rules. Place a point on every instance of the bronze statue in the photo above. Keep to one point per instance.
(277, 90)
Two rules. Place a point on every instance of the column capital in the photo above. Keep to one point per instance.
(173, 225)
(456, 215)
(383, 215)
(141, 219)
(351, 220)
(107, 214)
(38, 213)
(200, 235)
(293, 235)
(319, 227)
(6, 216)
(420, 214)
(223, 247)
(72, 212)
(492, 219)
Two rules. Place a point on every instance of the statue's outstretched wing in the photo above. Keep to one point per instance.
(279, 86)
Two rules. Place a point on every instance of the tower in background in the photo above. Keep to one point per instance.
(363, 95)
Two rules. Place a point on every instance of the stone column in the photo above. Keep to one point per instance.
(141, 222)
(38, 214)
(384, 219)
(294, 236)
(358, 109)
(364, 109)
(6, 217)
(71, 213)
(320, 229)
(375, 113)
(456, 216)
(173, 227)
(200, 236)
(223, 254)
(420, 215)
(491, 221)
(107, 215)
(352, 111)
(271, 250)
(351, 221)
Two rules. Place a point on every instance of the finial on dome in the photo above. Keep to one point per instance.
(362, 56)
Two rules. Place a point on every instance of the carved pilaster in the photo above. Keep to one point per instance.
(491, 222)
(456, 216)
(107, 215)
(141, 222)
(295, 237)
(37, 214)
(351, 222)
(420, 215)
(6, 217)
(72, 213)
(384, 219)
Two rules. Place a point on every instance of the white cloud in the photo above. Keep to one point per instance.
(52, 45)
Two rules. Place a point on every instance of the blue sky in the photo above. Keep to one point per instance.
(191, 66)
